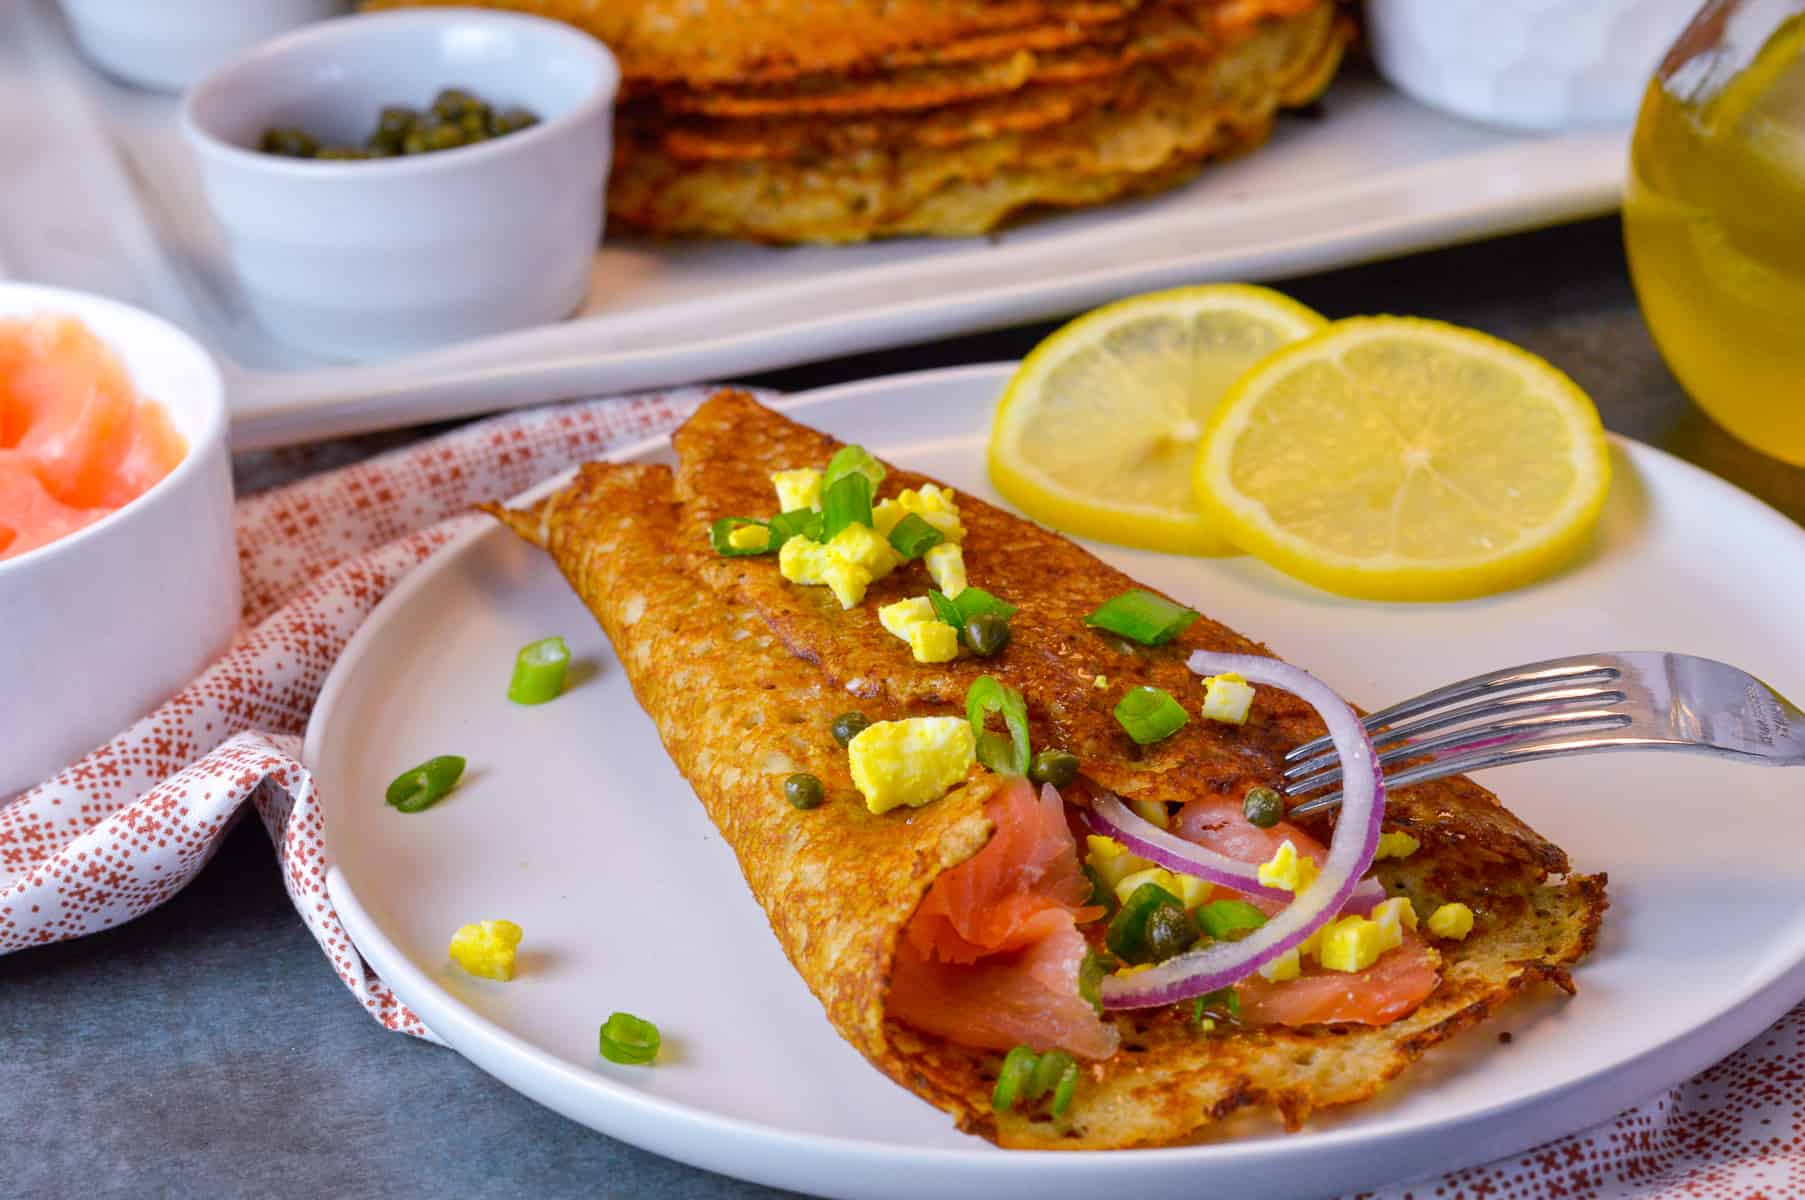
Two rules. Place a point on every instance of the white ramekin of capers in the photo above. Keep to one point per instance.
(395, 182)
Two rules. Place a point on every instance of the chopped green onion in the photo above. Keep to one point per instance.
(798, 522)
(1143, 617)
(1067, 1088)
(1090, 977)
(1004, 755)
(1127, 935)
(1229, 918)
(975, 600)
(539, 671)
(1223, 1002)
(945, 610)
(914, 537)
(846, 502)
(1048, 1072)
(423, 786)
(850, 460)
(720, 535)
(972, 602)
(1013, 1079)
(629, 1040)
(1150, 714)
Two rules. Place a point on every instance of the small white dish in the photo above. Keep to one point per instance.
(1526, 64)
(572, 822)
(168, 44)
(100, 626)
(365, 259)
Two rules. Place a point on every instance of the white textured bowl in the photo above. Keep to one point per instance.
(168, 44)
(1527, 64)
(99, 627)
(367, 259)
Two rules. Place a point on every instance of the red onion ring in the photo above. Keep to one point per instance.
(1112, 818)
(1356, 840)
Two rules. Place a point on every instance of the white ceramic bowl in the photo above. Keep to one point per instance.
(168, 44)
(1527, 64)
(99, 627)
(369, 259)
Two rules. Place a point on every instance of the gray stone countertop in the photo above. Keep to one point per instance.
(208, 1049)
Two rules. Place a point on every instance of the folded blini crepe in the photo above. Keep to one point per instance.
(939, 934)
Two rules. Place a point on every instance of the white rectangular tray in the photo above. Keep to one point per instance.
(99, 193)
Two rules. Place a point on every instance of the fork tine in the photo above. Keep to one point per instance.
(1574, 669)
(1479, 760)
(1530, 704)
(1515, 731)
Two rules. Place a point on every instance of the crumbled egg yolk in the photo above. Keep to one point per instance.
(1135, 969)
(1153, 812)
(1190, 890)
(486, 948)
(800, 488)
(933, 504)
(749, 537)
(1353, 943)
(899, 616)
(930, 639)
(933, 642)
(1111, 860)
(847, 564)
(911, 761)
(1393, 917)
(1452, 921)
(1396, 845)
(1288, 965)
(1287, 869)
(1227, 698)
(1100, 682)
(946, 567)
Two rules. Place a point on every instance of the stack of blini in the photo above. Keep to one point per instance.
(841, 120)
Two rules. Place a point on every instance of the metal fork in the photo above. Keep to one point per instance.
(1639, 700)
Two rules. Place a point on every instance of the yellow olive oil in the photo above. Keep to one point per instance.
(1714, 221)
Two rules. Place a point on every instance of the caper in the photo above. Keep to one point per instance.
(395, 121)
(1169, 933)
(987, 633)
(1263, 807)
(474, 121)
(288, 141)
(803, 791)
(383, 143)
(342, 152)
(444, 137)
(511, 119)
(1057, 767)
(847, 726)
(450, 103)
(414, 141)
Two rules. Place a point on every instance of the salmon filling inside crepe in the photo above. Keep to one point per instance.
(991, 958)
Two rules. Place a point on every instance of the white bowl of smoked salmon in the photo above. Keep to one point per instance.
(118, 570)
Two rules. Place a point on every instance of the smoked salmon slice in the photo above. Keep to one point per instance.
(991, 957)
(1392, 987)
(76, 440)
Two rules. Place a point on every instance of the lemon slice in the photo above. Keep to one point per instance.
(1097, 430)
(1400, 459)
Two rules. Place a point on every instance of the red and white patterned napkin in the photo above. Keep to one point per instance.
(130, 824)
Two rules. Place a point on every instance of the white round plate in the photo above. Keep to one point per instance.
(572, 822)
